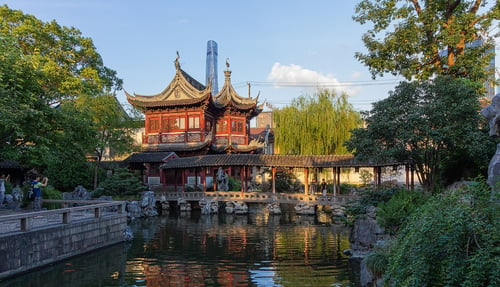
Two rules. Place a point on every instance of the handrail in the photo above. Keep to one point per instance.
(257, 197)
(26, 218)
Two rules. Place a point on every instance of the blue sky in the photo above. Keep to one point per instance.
(269, 43)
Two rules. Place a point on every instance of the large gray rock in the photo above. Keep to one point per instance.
(492, 114)
(209, 207)
(79, 193)
(365, 234)
(494, 169)
(133, 209)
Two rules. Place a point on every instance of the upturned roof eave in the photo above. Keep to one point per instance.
(181, 81)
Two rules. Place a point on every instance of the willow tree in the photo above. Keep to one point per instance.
(315, 125)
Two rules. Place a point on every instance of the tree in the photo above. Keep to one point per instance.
(114, 128)
(426, 124)
(67, 63)
(56, 98)
(419, 39)
(315, 125)
(122, 182)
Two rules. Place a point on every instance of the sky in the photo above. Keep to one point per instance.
(284, 49)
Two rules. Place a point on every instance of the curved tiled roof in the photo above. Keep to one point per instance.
(227, 96)
(304, 161)
(144, 157)
(182, 90)
(176, 146)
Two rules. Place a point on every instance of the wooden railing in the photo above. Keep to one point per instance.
(25, 221)
(263, 197)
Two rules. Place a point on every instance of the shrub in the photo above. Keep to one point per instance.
(393, 213)
(376, 262)
(234, 184)
(365, 176)
(121, 182)
(451, 240)
(370, 197)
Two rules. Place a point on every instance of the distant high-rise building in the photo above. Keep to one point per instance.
(489, 84)
(212, 66)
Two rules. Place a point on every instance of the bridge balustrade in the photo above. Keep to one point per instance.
(263, 197)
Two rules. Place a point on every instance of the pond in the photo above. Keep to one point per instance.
(191, 249)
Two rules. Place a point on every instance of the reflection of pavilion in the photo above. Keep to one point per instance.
(199, 253)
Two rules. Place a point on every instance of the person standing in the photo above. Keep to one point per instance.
(323, 187)
(37, 192)
(3, 179)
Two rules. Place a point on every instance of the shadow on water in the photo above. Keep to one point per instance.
(190, 249)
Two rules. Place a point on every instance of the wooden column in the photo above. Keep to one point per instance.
(183, 180)
(245, 172)
(205, 172)
(407, 177)
(412, 178)
(338, 180)
(379, 176)
(163, 180)
(214, 181)
(148, 171)
(196, 170)
(306, 180)
(274, 179)
(176, 171)
(242, 178)
(334, 177)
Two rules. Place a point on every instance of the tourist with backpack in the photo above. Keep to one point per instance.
(37, 192)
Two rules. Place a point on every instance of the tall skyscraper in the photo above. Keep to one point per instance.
(212, 66)
(488, 85)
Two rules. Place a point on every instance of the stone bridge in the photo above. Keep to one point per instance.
(259, 197)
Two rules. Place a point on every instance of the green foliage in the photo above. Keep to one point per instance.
(50, 192)
(452, 240)
(68, 170)
(67, 63)
(428, 124)
(365, 176)
(114, 129)
(8, 187)
(392, 214)
(315, 125)
(346, 188)
(234, 184)
(368, 198)
(408, 37)
(376, 262)
(56, 99)
(121, 182)
(285, 181)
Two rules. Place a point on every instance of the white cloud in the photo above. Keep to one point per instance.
(295, 75)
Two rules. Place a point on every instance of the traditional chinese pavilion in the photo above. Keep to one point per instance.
(186, 119)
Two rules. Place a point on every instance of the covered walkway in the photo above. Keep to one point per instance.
(202, 164)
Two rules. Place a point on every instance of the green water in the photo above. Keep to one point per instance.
(212, 250)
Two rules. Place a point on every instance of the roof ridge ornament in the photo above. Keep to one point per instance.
(177, 65)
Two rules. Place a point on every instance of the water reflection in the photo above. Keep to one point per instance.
(217, 250)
